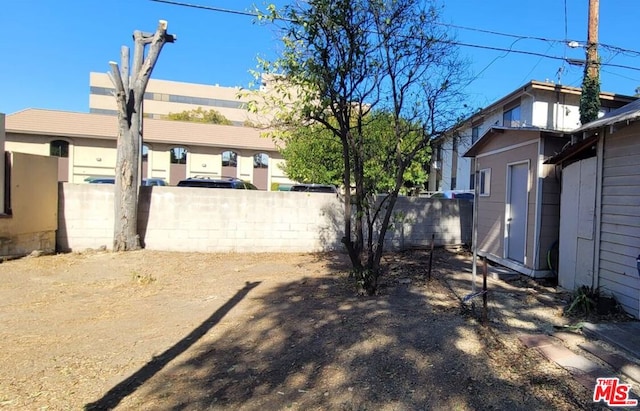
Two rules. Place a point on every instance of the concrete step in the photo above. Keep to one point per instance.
(623, 335)
(586, 360)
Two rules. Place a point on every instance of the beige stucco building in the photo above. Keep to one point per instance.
(163, 97)
(28, 201)
(173, 150)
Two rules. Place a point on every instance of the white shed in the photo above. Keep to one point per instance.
(600, 207)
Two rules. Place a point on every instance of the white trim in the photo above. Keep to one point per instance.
(526, 210)
(515, 266)
(538, 211)
(598, 217)
(503, 149)
(484, 174)
(476, 188)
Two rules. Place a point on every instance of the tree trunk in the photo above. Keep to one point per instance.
(129, 95)
(126, 190)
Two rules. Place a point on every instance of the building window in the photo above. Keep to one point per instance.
(103, 111)
(229, 159)
(485, 182)
(145, 152)
(261, 160)
(436, 160)
(178, 155)
(511, 117)
(475, 134)
(59, 148)
(472, 177)
(102, 91)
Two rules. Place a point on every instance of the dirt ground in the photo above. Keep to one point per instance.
(185, 331)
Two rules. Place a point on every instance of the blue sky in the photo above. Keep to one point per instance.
(49, 47)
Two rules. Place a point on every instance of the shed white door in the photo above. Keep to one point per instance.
(577, 212)
(516, 211)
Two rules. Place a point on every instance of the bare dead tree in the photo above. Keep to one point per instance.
(130, 89)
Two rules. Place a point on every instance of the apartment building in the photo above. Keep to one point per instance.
(535, 105)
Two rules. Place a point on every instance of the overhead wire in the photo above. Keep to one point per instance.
(562, 67)
(519, 37)
(530, 53)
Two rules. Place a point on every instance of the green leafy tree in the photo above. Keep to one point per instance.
(199, 115)
(590, 96)
(313, 154)
(344, 62)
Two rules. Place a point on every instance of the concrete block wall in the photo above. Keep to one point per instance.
(208, 220)
(204, 220)
(417, 220)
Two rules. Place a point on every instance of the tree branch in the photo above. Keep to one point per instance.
(121, 94)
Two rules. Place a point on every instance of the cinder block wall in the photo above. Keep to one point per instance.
(209, 220)
(417, 220)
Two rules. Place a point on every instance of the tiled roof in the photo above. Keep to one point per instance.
(98, 126)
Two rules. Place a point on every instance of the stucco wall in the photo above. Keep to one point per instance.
(32, 223)
(91, 157)
(206, 220)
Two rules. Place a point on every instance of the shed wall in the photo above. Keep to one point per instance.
(620, 223)
(491, 209)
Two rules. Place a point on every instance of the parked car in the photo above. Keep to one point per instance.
(233, 183)
(154, 182)
(314, 188)
(101, 180)
(111, 180)
(454, 194)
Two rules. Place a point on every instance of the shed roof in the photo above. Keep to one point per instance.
(99, 126)
(625, 114)
(476, 148)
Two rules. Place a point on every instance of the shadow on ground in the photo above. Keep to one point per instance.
(311, 344)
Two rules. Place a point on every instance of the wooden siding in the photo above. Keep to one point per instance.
(620, 223)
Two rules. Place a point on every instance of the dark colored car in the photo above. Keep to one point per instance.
(452, 194)
(100, 180)
(111, 180)
(314, 188)
(154, 182)
(232, 183)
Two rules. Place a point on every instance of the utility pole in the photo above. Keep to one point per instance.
(590, 98)
(593, 65)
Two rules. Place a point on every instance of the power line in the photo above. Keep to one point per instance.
(530, 53)
(210, 8)
(565, 41)
(519, 37)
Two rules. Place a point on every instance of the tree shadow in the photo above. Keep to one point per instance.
(312, 344)
(115, 395)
